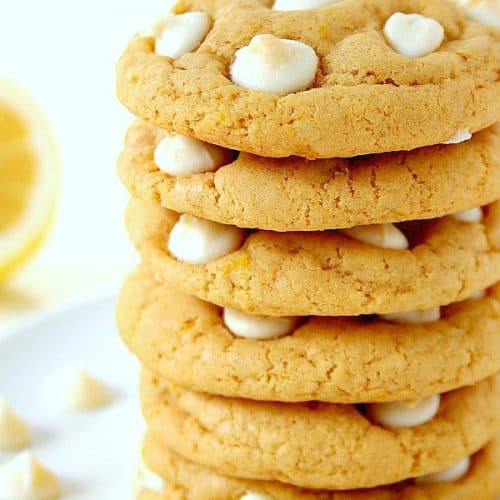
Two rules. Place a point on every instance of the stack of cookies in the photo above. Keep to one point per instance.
(315, 188)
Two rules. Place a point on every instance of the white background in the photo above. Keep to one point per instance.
(63, 52)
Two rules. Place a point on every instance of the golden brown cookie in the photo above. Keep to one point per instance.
(326, 273)
(320, 446)
(366, 98)
(340, 360)
(188, 481)
(294, 194)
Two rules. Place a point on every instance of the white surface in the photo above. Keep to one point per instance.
(94, 454)
(64, 54)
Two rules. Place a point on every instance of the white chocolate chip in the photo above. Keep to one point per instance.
(14, 433)
(453, 473)
(379, 235)
(474, 215)
(182, 33)
(253, 496)
(274, 65)
(199, 241)
(180, 155)
(481, 294)
(284, 5)
(24, 478)
(257, 327)
(146, 479)
(461, 136)
(483, 11)
(413, 35)
(72, 389)
(414, 317)
(404, 413)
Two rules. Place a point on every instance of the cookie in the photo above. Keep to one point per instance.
(315, 445)
(294, 194)
(327, 273)
(365, 97)
(340, 360)
(188, 481)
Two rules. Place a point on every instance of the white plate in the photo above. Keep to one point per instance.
(94, 454)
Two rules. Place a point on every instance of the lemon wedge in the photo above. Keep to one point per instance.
(29, 178)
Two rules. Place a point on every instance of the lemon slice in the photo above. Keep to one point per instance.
(29, 178)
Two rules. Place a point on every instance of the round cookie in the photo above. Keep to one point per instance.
(340, 360)
(326, 273)
(366, 98)
(294, 194)
(188, 481)
(316, 445)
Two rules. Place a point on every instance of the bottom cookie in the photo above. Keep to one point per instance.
(188, 481)
(331, 447)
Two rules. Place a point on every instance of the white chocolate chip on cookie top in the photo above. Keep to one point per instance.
(274, 65)
(179, 155)
(483, 11)
(448, 475)
(301, 4)
(257, 327)
(404, 413)
(379, 235)
(198, 241)
(182, 33)
(413, 35)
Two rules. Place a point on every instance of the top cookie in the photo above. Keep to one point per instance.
(366, 95)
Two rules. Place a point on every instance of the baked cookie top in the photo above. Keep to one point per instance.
(187, 341)
(295, 194)
(314, 445)
(188, 481)
(319, 273)
(365, 96)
